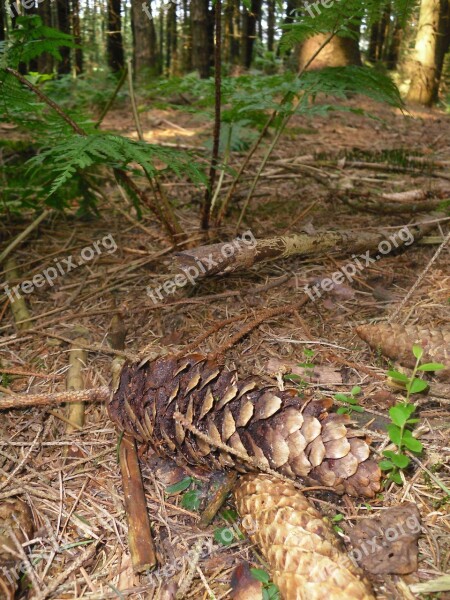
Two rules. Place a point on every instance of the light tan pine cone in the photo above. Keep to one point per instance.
(304, 554)
(291, 435)
(396, 342)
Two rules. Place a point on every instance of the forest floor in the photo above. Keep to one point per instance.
(75, 500)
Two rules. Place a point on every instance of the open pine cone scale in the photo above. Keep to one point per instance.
(267, 428)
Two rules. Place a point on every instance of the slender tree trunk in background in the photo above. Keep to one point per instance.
(424, 68)
(45, 60)
(171, 39)
(200, 37)
(77, 36)
(378, 35)
(114, 45)
(2, 22)
(443, 42)
(161, 36)
(63, 16)
(33, 64)
(231, 34)
(259, 20)
(270, 24)
(186, 42)
(394, 46)
(145, 59)
(340, 52)
(249, 20)
(13, 13)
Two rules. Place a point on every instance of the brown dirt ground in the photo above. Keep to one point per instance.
(75, 503)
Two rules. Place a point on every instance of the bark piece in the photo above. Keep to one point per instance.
(396, 342)
(388, 543)
(266, 426)
(16, 521)
(304, 554)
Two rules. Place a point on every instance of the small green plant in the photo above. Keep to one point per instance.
(191, 499)
(231, 533)
(270, 590)
(413, 384)
(335, 520)
(351, 400)
(400, 429)
(308, 366)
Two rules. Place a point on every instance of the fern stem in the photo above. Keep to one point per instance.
(40, 94)
(207, 203)
(111, 100)
(257, 143)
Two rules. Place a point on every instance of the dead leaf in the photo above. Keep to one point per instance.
(244, 586)
(387, 543)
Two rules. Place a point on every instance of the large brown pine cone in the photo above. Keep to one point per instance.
(304, 554)
(396, 342)
(291, 435)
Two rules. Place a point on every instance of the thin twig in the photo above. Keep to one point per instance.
(19, 239)
(206, 213)
(100, 394)
(113, 97)
(420, 278)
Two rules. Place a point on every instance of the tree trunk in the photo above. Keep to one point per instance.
(270, 24)
(378, 35)
(2, 22)
(145, 55)
(231, 32)
(63, 15)
(394, 46)
(249, 20)
(201, 58)
(443, 43)
(171, 39)
(77, 36)
(340, 52)
(424, 68)
(114, 46)
(45, 60)
(186, 42)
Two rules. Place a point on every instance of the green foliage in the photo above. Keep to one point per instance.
(270, 590)
(351, 400)
(30, 39)
(343, 18)
(80, 152)
(308, 365)
(402, 421)
(56, 174)
(191, 499)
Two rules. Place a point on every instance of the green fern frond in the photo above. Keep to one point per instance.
(31, 38)
(342, 17)
(76, 153)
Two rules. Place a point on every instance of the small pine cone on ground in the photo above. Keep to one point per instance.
(304, 554)
(268, 428)
(396, 342)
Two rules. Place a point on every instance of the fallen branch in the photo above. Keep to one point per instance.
(217, 259)
(100, 394)
(140, 541)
